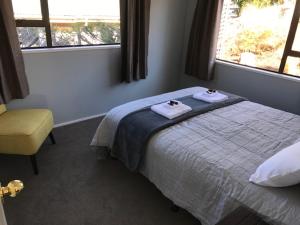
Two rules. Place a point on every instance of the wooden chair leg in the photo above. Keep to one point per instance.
(52, 138)
(34, 164)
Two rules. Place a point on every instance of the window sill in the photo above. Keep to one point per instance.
(262, 72)
(69, 49)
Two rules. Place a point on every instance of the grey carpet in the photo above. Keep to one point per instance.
(74, 188)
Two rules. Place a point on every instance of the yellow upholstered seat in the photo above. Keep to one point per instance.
(2, 109)
(22, 132)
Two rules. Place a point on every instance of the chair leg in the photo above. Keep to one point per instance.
(34, 164)
(52, 138)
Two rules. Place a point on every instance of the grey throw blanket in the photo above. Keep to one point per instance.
(135, 130)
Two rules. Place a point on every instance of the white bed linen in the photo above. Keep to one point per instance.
(203, 164)
(106, 131)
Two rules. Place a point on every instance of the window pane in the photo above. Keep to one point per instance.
(84, 22)
(292, 66)
(31, 37)
(296, 45)
(255, 33)
(29, 9)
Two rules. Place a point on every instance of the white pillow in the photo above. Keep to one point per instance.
(281, 170)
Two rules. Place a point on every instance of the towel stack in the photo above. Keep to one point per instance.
(171, 109)
(210, 96)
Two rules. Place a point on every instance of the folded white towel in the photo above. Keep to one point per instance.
(210, 97)
(171, 111)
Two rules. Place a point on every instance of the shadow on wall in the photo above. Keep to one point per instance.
(32, 101)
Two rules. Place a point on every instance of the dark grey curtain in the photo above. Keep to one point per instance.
(134, 16)
(202, 44)
(13, 82)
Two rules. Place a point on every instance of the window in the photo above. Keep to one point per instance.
(261, 34)
(61, 23)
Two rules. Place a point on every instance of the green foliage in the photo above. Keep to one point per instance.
(258, 3)
(110, 32)
(241, 4)
(81, 33)
(266, 3)
(258, 41)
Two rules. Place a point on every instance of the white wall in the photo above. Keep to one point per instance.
(259, 86)
(82, 83)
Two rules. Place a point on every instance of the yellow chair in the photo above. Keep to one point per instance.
(22, 132)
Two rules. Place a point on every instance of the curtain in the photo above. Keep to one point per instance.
(13, 82)
(201, 54)
(134, 15)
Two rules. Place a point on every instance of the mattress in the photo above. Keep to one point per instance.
(203, 164)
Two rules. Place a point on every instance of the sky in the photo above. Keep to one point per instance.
(76, 8)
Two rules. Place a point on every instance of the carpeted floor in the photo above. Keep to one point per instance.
(74, 188)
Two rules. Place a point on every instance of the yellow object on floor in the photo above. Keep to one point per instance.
(2, 109)
(22, 132)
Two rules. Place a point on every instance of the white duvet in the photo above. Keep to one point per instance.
(203, 164)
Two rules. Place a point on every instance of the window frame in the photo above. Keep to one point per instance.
(258, 68)
(288, 49)
(45, 23)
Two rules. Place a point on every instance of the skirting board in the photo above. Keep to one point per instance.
(78, 120)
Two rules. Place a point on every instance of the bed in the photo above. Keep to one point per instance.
(203, 164)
